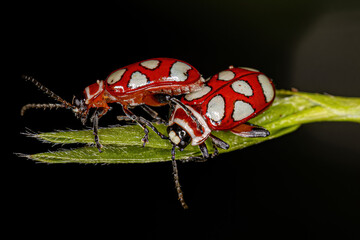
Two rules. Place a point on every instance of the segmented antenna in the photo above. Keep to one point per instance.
(40, 105)
(47, 91)
(176, 180)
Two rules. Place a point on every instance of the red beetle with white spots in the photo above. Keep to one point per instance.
(151, 82)
(225, 103)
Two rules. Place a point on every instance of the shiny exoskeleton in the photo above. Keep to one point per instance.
(225, 103)
(152, 82)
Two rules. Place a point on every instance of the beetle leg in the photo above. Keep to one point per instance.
(123, 118)
(153, 114)
(136, 119)
(176, 179)
(143, 123)
(216, 151)
(250, 130)
(204, 152)
(149, 111)
(218, 142)
(150, 125)
(95, 120)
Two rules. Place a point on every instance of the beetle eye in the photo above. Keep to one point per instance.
(182, 133)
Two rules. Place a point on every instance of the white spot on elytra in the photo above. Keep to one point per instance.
(150, 64)
(198, 94)
(116, 76)
(242, 87)
(178, 72)
(267, 87)
(216, 108)
(137, 80)
(226, 75)
(242, 110)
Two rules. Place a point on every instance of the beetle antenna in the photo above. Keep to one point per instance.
(176, 179)
(47, 91)
(41, 105)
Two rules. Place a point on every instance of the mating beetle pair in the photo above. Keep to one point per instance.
(225, 102)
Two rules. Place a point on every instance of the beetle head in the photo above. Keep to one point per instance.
(178, 136)
(80, 109)
(93, 97)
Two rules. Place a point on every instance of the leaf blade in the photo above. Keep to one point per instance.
(111, 153)
(123, 144)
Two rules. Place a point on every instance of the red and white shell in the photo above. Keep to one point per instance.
(137, 83)
(232, 97)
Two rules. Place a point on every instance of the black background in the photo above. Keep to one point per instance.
(302, 186)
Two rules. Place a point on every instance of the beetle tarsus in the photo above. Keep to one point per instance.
(145, 139)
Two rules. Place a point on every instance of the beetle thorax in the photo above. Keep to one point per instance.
(93, 91)
(181, 118)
